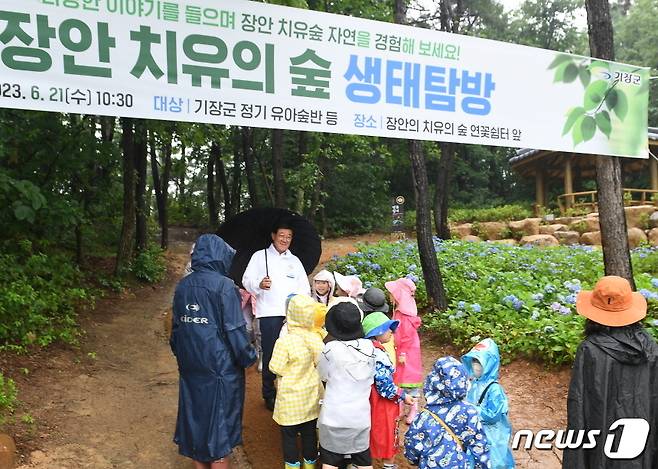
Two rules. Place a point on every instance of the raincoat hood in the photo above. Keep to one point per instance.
(623, 344)
(301, 312)
(403, 291)
(446, 383)
(350, 284)
(325, 276)
(319, 315)
(486, 352)
(212, 253)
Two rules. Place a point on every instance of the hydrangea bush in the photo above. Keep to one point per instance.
(522, 297)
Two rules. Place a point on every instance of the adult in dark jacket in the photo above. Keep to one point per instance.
(615, 376)
(212, 348)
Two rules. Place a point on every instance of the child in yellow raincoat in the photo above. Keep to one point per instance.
(299, 389)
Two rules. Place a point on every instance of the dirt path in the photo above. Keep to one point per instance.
(112, 403)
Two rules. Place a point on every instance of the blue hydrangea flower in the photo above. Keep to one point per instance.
(412, 277)
(549, 329)
(555, 306)
(472, 275)
(571, 299)
(538, 296)
(535, 315)
(376, 267)
(654, 282)
(476, 308)
(513, 301)
(649, 295)
(654, 323)
(367, 284)
(564, 310)
(461, 305)
(350, 268)
(549, 288)
(412, 268)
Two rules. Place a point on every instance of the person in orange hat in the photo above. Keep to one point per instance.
(614, 376)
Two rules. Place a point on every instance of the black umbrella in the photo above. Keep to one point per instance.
(250, 231)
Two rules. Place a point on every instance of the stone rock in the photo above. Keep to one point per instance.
(653, 236)
(653, 220)
(526, 227)
(551, 229)
(7, 451)
(492, 230)
(460, 231)
(592, 238)
(508, 242)
(585, 225)
(540, 240)
(636, 237)
(471, 239)
(567, 237)
(564, 220)
(638, 217)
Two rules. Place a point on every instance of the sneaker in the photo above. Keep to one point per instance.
(269, 404)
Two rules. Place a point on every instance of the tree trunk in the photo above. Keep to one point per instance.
(248, 154)
(277, 169)
(236, 179)
(210, 187)
(221, 174)
(157, 186)
(141, 164)
(125, 249)
(441, 193)
(181, 175)
(614, 237)
(428, 261)
(166, 177)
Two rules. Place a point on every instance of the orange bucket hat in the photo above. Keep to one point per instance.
(612, 303)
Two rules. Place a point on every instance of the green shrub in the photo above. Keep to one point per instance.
(149, 265)
(39, 295)
(502, 213)
(8, 394)
(522, 297)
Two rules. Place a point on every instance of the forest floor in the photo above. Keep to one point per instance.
(111, 401)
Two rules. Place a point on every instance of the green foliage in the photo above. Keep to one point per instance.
(502, 213)
(8, 395)
(39, 295)
(149, 265)
(523, 298)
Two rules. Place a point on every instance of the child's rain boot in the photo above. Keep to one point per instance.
(413, 410)
(290, 465)
(309, 464)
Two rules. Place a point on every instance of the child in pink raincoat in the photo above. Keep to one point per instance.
(409, 369)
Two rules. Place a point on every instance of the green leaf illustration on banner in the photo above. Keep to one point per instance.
(603, 122)
(588, 128)
(585, 76)
(559, 60)
(570, 73)
(572, 117)
(619, 105)
(577, 132)
(594, 94)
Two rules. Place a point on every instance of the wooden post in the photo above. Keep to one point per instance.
(568, 181)
(653, 168)
(540, 193)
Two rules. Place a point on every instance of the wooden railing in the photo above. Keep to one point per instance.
(587, 201)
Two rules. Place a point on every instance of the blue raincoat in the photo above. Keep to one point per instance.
(211, 345)
(427, 443)
(494, 407)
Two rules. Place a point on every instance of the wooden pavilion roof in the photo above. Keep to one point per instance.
(526, 161)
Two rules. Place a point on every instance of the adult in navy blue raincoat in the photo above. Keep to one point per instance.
(212, 349)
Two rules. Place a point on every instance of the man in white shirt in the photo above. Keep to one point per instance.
(271, 276)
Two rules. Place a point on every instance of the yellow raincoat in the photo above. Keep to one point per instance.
(294, 362)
